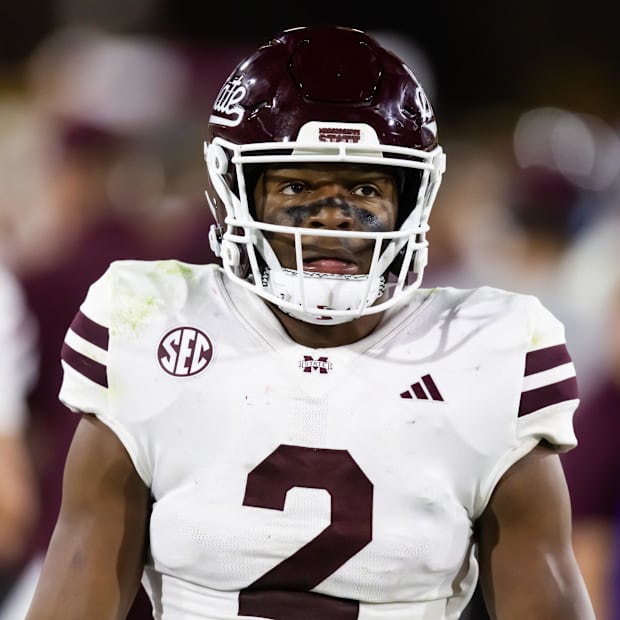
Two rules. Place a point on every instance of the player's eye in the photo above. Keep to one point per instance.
(366, 191)
(293, 188)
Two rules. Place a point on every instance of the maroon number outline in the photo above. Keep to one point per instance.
(283, 593)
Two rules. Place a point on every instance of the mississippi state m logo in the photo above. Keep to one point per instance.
(185, 351)
(322, 364)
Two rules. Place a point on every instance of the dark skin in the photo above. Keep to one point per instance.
(94, 563)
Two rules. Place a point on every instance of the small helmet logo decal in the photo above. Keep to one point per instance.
(229, 112)
(185, 351)
(426, 110)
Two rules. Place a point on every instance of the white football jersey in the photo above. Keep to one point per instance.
(297, 483)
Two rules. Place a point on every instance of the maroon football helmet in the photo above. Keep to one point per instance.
(322, 94)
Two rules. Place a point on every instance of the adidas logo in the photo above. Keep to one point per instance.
(425, 389)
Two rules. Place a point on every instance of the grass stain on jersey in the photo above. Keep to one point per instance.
(135, 312)
(174, 267)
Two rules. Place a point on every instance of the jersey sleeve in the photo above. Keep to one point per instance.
(546, 394)
(84, 353)
(549, 395)
(97, 378)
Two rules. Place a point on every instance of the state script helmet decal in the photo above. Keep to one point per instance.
(185, 351)
(227, 110)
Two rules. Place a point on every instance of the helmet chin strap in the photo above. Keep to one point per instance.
(311, 297)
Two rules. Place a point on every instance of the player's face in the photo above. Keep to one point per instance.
(344, 197)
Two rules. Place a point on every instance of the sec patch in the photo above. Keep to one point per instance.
(185, 351)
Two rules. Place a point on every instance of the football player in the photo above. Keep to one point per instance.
(302, 431)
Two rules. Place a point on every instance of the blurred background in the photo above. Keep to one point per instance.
(103, 110)
(516, 53)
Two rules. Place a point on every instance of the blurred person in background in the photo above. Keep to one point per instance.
(19, 501)
(541, 206)
(467, 231)
(567, 234)
(593, 475)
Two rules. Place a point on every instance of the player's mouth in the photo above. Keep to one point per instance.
(326, 264)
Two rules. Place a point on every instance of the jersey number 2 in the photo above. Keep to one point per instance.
(283, 593)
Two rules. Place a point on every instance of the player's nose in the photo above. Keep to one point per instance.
(333, 209)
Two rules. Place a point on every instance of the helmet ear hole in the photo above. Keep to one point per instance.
(217, 159)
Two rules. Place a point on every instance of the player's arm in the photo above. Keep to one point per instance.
(95, 559)
(527, 564)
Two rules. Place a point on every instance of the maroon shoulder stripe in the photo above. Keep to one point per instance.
(91, 331)
(533, 400)
(86, 366)
(544, 359)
